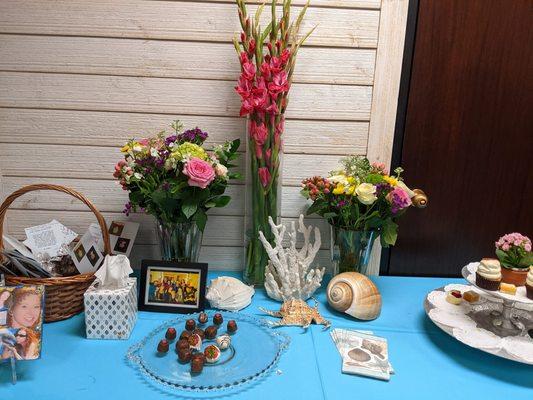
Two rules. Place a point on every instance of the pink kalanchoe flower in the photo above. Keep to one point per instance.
(513, 239)
(200, 172)
(264, 176)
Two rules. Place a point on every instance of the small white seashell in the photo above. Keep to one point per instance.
(228, 293)
(223, 342)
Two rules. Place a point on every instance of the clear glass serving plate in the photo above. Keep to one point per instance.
(255, 349)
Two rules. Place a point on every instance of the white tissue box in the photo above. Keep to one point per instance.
(110, 314)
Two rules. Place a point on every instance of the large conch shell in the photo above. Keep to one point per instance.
(227, 293)
(354, 294)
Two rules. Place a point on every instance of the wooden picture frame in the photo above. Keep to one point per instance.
(172, 287)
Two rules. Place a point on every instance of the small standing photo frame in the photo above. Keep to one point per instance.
(173, 287)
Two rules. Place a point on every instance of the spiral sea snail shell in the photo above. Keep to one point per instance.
(354, 294)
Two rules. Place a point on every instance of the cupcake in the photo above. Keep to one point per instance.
(489, 274)
(529, 283)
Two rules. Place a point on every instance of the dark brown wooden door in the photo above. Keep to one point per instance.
(468, 138)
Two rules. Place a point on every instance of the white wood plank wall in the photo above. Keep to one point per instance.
(78, 78)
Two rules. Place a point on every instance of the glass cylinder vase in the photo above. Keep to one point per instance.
(351, 249)
(179, 241)
(262, 196)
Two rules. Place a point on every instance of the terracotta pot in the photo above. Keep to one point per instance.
(515, 276)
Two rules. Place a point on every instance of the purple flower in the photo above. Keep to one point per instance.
(166, 186)
(127, 208)
(195, 135)
(341, 203)
(171, 139)
(382, 188)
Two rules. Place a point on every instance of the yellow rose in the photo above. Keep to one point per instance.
(350, 190)
(339, 189)
(390, 180)
(366, 193)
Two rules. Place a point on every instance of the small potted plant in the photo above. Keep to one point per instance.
(514, 252)
(361, 201)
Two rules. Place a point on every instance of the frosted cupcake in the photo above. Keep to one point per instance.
(489, 274)
(529, 283)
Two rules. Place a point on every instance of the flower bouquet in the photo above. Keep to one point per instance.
(267, 61)
(514, 252)
(361, 202)
(177, 181)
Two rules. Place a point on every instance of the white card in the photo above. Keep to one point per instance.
(48, 238)
(86, 255)
(122, 235)
(15, 244)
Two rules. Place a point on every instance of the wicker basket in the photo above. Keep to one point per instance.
(64, 295)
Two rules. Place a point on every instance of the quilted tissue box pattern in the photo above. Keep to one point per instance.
(111, 314)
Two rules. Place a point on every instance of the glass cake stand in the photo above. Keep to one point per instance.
(255, 349)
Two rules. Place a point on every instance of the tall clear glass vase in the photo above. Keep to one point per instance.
(351, 250)
(179, 241)
(263, 200)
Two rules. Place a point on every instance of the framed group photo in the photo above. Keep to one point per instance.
(168, 286)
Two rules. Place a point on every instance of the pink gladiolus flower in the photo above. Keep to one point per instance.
(264, 176)
(275, 65)
(244, 87)
(258, 132)
(243, 58)
(265, 69)
(279, 83)
(258, 151)
(251, 46)
(285, 56)
(247, 107)
(200, 172)
(248, 70)
(272, 108)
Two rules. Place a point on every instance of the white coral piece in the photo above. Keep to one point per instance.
(288, 274)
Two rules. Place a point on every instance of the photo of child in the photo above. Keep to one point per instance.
(173, 288)
(21, 318)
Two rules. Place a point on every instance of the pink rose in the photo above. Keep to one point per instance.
(200, 173)
(264, 176)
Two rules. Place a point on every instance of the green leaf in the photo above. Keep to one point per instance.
(315, 207)
(329, 215)
(527, 260)
(221, 201)
(389, 233)
(166, 203)
(189, 207)
(201, 220)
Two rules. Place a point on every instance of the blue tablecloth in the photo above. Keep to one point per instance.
(428, 362)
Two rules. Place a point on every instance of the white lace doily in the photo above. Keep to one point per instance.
(452, 320)
(438, 299)
(520, 347)
(478, 338)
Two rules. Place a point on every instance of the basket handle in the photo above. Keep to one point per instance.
(45, 186)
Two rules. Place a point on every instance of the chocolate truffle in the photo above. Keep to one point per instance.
(212, 353)
(197, 364)
(182, 344)
(185, 335)
(203, 318)
(171, 334)
(185, 355)
(211, 332)
(232, 326)
(162, 347)
(199, 332)
(217, 319)
(190, 325)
